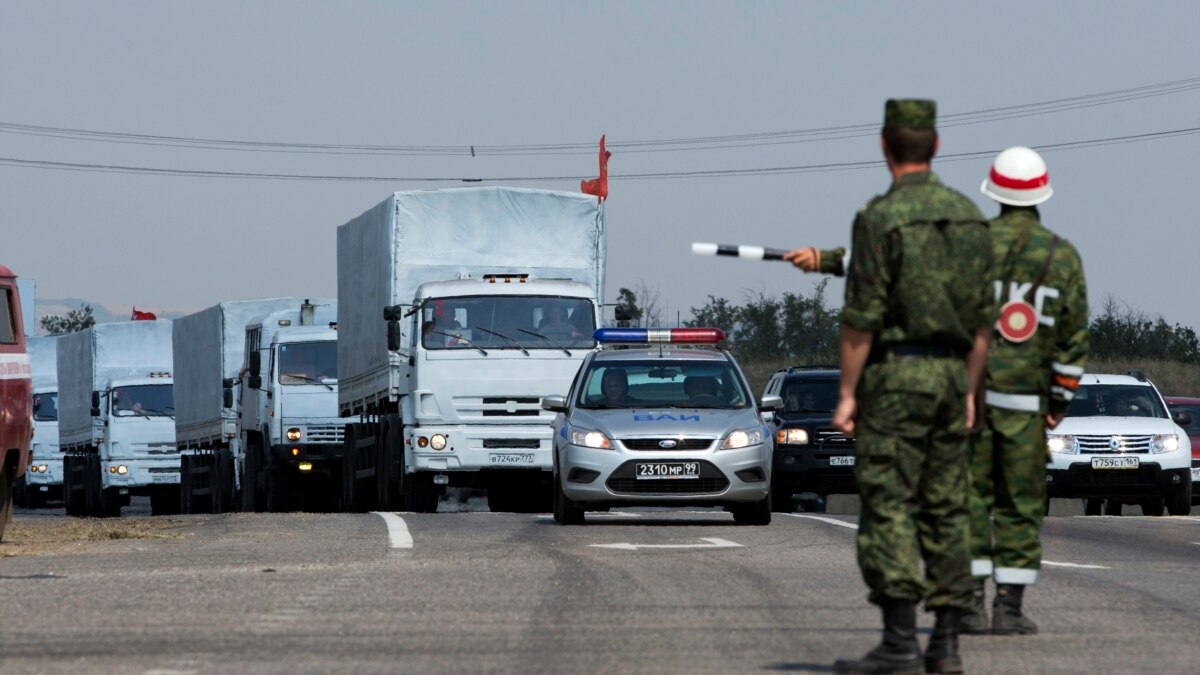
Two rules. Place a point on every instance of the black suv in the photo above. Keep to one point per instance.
(810, 455)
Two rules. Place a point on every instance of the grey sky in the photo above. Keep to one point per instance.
(455, 73)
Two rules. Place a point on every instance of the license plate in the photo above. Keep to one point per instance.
(164, 478)
(841, 461)
(511, 458)
(1115, 462)
(668, 470)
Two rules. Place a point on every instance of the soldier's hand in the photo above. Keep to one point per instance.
(1052, 420)
(843, 417)
(807, 258)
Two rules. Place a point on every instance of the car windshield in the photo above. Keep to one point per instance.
(1192, 411)
(45, 406)
(1116, 400)
(308, 363)
(148, 400)
(507, 322)
(802, 395)
(662, 384)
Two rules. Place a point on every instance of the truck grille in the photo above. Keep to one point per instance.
(710, 482)
(1104, 445)
(324, 433)
(833, 437)
(499, 406)
(504, 443)
(654, 443)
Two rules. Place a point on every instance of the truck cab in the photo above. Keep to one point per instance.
(16, 424)
(43, 480)
(293, 435)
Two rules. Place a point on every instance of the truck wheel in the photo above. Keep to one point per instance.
(109, 500)
(565, 511)
(1113, 507)
(349, 468)
(186, 503)
(222, 481)
(93, 480)
(420, 494)
(1152, 506)
(20, 493)
(1093, 506)
(383, 492)
(1179, 503)
(253, 499)
(165, 500)
(277, 490)
(6, 498)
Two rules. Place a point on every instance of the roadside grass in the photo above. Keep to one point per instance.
(41, 536)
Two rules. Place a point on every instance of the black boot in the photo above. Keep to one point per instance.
(942, 654)
(1006, 612)
(975, 622)
(899, 652)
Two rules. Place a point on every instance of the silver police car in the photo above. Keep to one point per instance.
(668, 425)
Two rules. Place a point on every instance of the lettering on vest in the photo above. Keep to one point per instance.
(1018, 291)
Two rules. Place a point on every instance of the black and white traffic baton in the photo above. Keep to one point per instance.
(748, 252)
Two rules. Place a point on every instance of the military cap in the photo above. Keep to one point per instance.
(909, 113)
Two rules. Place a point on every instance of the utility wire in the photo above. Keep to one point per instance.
(711, 173)
(728, 141)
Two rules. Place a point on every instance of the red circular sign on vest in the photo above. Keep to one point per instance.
(1018, 321)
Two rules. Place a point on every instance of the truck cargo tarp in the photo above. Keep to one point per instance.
(43, 361)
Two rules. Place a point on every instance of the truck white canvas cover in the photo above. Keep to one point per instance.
(89, 359)
(436, 235)
(43, 362)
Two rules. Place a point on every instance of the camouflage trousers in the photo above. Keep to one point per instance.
(1008, 496)
(912, 470)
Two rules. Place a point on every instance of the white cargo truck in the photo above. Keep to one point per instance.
(116, 421)
(458, 311)
(43, 479)
(290, 429)
(209, 352)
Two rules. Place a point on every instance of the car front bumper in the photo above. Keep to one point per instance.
(1079, 479)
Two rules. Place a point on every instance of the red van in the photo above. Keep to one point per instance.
(16, 398)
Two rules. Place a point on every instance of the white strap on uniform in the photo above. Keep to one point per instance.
(1064, 369)
(1021, 402)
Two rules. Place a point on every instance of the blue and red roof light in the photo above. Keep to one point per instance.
(692, 336)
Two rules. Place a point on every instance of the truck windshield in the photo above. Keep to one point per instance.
(8, 317)
(146, 400)
(308, 363)
(507, 322)
(662, 384)
(45, 406)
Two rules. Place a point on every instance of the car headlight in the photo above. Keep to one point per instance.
(742, 438)
(1164, 443)
(791, 437)
(293, 434)
(1062, 444)
(590, 439)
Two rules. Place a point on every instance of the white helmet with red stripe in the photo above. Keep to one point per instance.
(1018, 178)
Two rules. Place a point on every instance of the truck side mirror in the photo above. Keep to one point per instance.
(95, 404)
(393, 335)
(255, 381)
(227, 394)
(255, 362)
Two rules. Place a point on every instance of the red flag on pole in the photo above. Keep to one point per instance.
(142, 316)
(598, 186)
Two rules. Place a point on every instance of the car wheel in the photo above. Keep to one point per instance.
(1152, 506)
(565, 511)
(1113, 507)
(1092, 506)
(1179, 503)
(754, 514)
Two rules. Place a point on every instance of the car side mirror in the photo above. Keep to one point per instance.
(556, 404)
(1183, 419)
(255, 382)
(770, 404)
(393, 335)
(95, 404)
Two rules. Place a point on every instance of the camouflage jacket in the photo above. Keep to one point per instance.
(919, 266)
(1051, 362)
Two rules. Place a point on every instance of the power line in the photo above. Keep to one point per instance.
(711, 173)
(700, 143)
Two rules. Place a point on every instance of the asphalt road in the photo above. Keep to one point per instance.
(632, 591)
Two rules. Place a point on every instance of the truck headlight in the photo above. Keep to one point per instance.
(742, 438)
(122, 470)
(590, 439)
(294, 434)
(791, 437)
(437, 441)
(1164, 443)
(1064, 444)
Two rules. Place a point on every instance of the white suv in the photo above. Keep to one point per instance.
(1118, 443)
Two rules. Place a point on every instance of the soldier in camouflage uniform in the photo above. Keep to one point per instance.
(1034, 366)
(914, 338)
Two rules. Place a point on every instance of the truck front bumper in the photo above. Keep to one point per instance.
(44, 471)
(476, 449)
(140, 472)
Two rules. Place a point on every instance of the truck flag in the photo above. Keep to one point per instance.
(142, 316)
(598, 186)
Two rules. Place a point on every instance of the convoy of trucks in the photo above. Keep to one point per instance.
(458, 310)
(43, 480)
(116, 421)
(16, 398)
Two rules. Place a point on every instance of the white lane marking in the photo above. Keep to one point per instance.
(1076, 565)
(823, 519)
(397, 530)
(713, 542)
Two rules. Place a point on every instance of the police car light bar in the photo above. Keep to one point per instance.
(694, 336)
